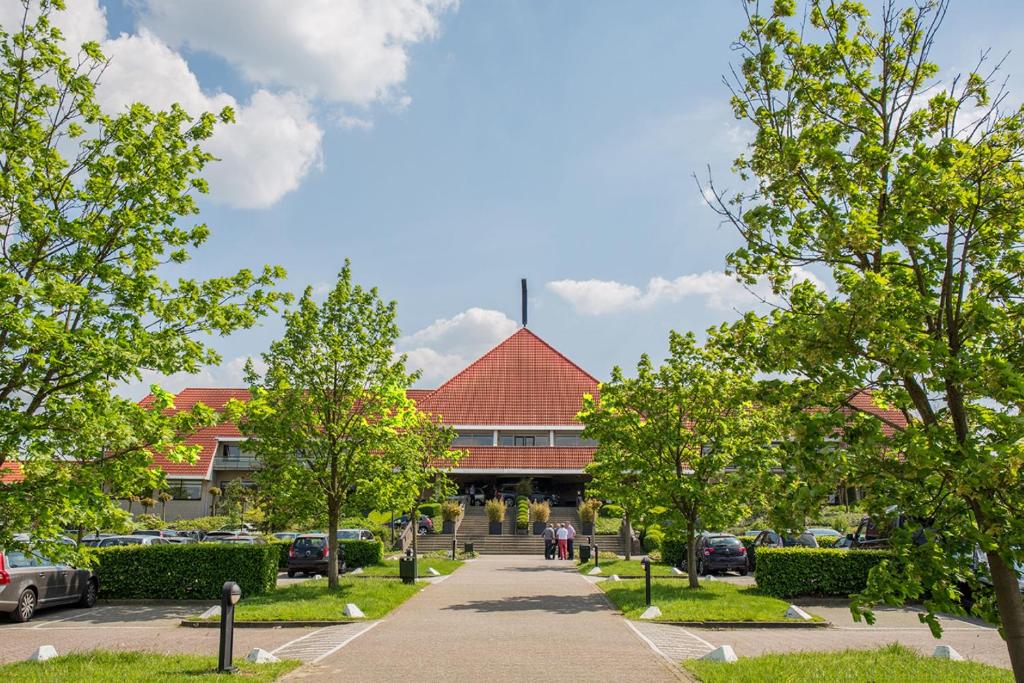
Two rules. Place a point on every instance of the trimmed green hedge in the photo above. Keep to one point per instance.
(282, 549)
(827, 541)
(430, 509)
(673, 551)
(185, 572)
(362, 553)
(790, 572)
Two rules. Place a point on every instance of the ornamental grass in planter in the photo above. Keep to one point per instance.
(588, 513)
(495, 511)
(450, 513)
(540, 513)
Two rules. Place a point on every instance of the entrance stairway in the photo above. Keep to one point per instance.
(474, 529)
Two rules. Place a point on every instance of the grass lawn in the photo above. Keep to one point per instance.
(390, 567)
(313, 601)
(892, 664)
(627, 568)
(713, 601)
(129, 667)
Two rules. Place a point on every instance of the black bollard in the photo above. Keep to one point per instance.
(597, 561)
(229, 597)
(646, 562)
(453, 548)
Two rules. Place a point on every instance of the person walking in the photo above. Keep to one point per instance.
(549, 542)
(563, 541)
(569, 539)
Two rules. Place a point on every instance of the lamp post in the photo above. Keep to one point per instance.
(229, 597)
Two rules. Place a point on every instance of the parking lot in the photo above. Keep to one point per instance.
(130, 627)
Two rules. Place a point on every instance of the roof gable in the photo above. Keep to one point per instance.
(521, 381)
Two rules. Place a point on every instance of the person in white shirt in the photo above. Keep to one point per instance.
(572, 534)
(563, 542)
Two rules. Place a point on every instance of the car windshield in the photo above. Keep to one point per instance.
(127, 540)
(15, 559)
(348, 534)
(310, 543)
(724, 541)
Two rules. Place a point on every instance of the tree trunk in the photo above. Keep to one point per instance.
(1011, 611)
(629, 536)
(691, 551)
(415, 521)
(332, 544)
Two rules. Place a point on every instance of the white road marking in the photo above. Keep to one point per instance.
(671, 642)
(320, 644)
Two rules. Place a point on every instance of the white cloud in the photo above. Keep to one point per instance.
(351, 51)
(354, 122)
(272, 145)
(721, 291)
(447, 345)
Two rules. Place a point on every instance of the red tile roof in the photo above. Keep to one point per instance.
(521, 381)
(205, 438)
(526, 458)
(10, 472)
(864, 401)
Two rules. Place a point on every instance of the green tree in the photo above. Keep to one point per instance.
(614, 479)
(687, 435)
(908, 194)
(331, 408)
(91, 207)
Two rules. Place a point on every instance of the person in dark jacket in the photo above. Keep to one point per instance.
(549, 542)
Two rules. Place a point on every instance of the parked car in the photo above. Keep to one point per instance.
(286, 535)
(240, 539)
(426, 524)
(181, 539)
(214, 535)
(822, 532)
(770, 539)
(29, 581)
(108, 541)
(162, 533)
(360, 534)
(309, 553)
(719, 553)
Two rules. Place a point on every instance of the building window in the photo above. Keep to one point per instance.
(573, 440)
(523, 439)
(473, 439)
(231, 450)
(183, 489)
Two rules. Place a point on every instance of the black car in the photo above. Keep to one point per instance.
(721, 553)
(426, 524)
(309, 554)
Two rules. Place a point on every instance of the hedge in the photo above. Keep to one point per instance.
(430, 509)
(791, 572)
(611, 510)
(187, 571)
(673, 551)
(282, 549)
(362, 553)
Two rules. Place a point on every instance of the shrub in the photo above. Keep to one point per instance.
(524, 487)
(613, 511)
(827, 541)
(540, 512)
(653, 538)
(790, 572)
(362, 553)
(495, 509)
(673, 551)
(588, 510)
(200, 523)
(430, 509)
(522, 513)
(186, 571)
(146, 521)
(282, 548)
(451, 510)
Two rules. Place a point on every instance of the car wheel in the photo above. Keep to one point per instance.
(26, 606)
(90, 594)
(422, 531)
(291, 574)
(701, 569)
(743, 572)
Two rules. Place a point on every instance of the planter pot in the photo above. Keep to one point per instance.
(522, 531)
(587, 528)
(494, 528)
(539, 527)
(448, 527)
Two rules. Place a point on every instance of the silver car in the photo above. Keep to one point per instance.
(29, 581)
(109, 541)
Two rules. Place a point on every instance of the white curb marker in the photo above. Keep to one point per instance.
(722, 654)
(42, 653)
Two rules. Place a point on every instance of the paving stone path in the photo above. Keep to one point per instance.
(500, 618)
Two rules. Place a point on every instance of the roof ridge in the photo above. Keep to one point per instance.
(497, 346)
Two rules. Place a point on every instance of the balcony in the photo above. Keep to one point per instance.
(243, 461)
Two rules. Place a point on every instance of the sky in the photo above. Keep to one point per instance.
(449, 149)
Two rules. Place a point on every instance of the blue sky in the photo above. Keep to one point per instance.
(478, 144)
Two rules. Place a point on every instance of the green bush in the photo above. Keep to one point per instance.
(185, 572)
(430, 509)
(522, 513)
(148, 521)
(451, 510)
(613, 511)
(827, 541)
(673, 551)
(199, 523)
(654, 537)
(791, 572)
(362, 553)
(282, 549)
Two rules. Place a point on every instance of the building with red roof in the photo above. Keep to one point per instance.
(514, 410)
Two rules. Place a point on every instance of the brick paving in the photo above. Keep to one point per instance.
(500, 618)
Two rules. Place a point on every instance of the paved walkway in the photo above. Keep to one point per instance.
(499, 618)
